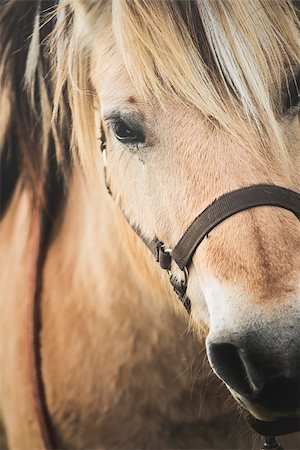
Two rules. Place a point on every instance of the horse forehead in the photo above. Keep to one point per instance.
(116, 89)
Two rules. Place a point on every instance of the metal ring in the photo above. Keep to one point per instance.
(185, 273)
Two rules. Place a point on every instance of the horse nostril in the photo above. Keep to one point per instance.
(255, 377)
(231, 365)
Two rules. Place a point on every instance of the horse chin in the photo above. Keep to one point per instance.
(284, 425)
(269, 423)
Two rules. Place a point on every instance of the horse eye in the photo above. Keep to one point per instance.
(127, 134)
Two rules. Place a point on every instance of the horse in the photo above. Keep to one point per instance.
(122, 121)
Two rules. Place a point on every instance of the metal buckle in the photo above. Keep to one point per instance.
(165, 259)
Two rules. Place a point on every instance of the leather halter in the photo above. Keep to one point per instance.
(219, 210)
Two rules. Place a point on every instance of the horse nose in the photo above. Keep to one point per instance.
(258, 376)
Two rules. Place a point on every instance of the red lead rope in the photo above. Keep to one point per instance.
(33, 328)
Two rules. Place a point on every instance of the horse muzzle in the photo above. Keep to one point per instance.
(263, 379)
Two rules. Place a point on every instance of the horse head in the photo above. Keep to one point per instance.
(197, 99)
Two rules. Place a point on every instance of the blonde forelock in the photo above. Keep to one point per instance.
(227, 58)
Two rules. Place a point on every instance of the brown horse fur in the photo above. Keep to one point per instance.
(122, 366)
